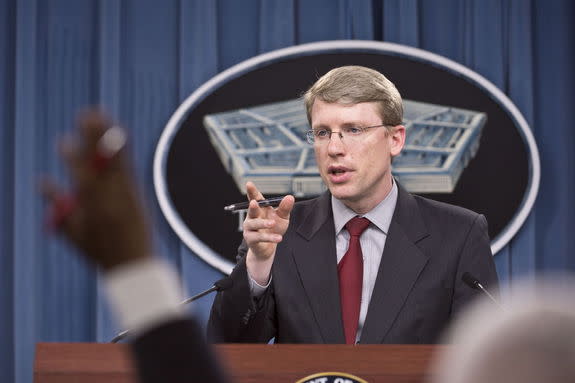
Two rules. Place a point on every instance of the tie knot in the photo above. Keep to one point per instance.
(357, 225)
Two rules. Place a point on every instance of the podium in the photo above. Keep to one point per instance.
(253, 363)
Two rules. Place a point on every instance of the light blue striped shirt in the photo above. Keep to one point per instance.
(372, 242)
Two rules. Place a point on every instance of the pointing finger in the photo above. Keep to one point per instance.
(254, 209)
(253, 192)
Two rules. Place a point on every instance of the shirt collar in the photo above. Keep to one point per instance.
(380, 215)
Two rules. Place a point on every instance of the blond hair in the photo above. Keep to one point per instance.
(354, 85)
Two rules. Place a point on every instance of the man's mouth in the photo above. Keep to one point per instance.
(336, 171)
(338, 174)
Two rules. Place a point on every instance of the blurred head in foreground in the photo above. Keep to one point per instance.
(531, 341)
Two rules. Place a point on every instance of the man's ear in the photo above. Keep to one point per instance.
(397, 137)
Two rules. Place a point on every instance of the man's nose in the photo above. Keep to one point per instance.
(335, 146)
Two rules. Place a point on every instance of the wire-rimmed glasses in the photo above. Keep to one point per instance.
(349, 133)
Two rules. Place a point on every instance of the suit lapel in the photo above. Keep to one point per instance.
(400, 266)
(316, 261)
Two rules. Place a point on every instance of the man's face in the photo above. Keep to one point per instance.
(356, 172)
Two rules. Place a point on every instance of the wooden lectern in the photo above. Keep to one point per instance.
(253, 363)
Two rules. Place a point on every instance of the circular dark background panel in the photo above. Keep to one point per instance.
(493, 184)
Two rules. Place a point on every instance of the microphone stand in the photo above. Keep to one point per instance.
(222, 284)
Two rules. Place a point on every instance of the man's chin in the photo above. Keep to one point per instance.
(342, 193)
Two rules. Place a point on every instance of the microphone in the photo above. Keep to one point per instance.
(474, 283)
(220, 285)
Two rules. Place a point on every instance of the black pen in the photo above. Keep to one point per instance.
(273, 202)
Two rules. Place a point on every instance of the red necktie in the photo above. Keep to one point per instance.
(350, 271)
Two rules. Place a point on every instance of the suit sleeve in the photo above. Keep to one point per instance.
(236, 316)
(176, 352)
(477, 259)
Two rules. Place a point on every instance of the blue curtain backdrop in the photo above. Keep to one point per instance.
(141, 58)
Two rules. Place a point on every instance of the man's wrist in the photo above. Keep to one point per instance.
(143, 293)
(259, 270)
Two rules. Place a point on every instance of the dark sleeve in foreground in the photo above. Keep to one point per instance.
(176, 352)
(238, 318)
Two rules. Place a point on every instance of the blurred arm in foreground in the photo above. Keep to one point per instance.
(105, 219)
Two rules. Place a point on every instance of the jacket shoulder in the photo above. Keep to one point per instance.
(435, 211)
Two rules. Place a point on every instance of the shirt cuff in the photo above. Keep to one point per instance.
(144, 294)
(256, 289)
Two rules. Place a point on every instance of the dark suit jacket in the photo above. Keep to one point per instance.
(175, 351)
(417, 291)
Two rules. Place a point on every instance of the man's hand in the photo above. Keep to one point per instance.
(264, 228)
(103, 217)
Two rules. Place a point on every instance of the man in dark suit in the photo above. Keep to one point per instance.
(106, 221)
(366, 261)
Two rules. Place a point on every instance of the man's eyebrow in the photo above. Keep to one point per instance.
(344, 125)
(350, 124)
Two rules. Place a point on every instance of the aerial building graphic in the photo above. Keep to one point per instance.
(267, 145)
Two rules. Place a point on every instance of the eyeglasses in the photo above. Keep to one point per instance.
(350, 133)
